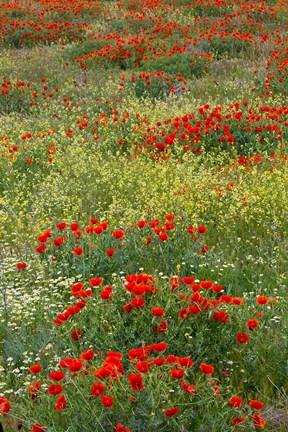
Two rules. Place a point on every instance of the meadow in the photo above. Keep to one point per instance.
(143, 206)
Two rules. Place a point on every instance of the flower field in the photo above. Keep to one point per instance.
(143, 210)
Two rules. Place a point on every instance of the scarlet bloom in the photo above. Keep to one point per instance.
(242, 337)
(88, 355)
(171, 412)
(206, 368)
(97, 389)
(60, 403)
(236, 420)
(142, 366)
(74, 226)
(163, 237)
(121, 428)
(176, 373)
(256, 404)
(38, 428)
(34, 387)
(138, 302)
(35, 368)
(41, 248)
(76, 334)
(188, 388)
(59, 241)
(262, 300)
(236, 401)
(107, 401)
(75, 365)
(110, 252)
(187, 280)
(57, 376)
(55, 389)
(259, 422)
(21, 265)
(61, 225)
(136, 382)
(158, 347)
(159, 361)
(78, 251)
(157, 311)
(96, 281)
(221, 316)
(162, 327)
(4, 405)
(252, 324)
(201, 229)
(118, 234)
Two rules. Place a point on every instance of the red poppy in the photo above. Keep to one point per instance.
(4, 405)
(163, 237)
(55, 389)
(61, 225)
(171, 412)
(41, 248)
(76, 334)
(137, 302)
(107, 401)
(110, 252)
(142, 367)
(242, 337)
(157, 311)
(35, 368)
(78, 251)
(121, 428)
(38, 428)
(187, 280)
(57, 376)
(74, 226)
(176, 373)
(262, 300)
(96, 281)
(21, 265)
(88, 355)
(236, 420)
(136, 382)
(252, 324)
(259, 422)
(75, 365)
(236, 401)
(163, 326)
(118, 234)
(159, 361)
(34, 387)
(201, 229)
(188, 388)
(60, 403)
(97, 389)
(158, 347)
(256, 404)
(221, 316)
(206, 368)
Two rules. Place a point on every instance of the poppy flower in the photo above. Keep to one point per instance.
(60, 403)
(163, 326)
(96, 281)
(262, 300)
(74, 226)
(237, 420)
(136, 382)
(4, 405)
(159, 361)
(236, 401)
(55, 389)
(188, 280)
(38, 428)
(110, 252)
(97, 389)
(163, 237)
(76, 334)
(137, 302)
(242, 337)
(158, 347)
(34, 387)
(88, 355)
(57, 376)
(121, 428)
(118, 234)
(35, 368)
(75, 365)
(221, 316)
(142, 367)
(206, 368)
(201, 229)
(107, 401)
(252, 324)
(61, 225)
(21, 265)
(256, 404)
(171, 412)
(157, 311)
(259, 422)
(176, 373)
(78, 251)
(41, 248)
(188, 388)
